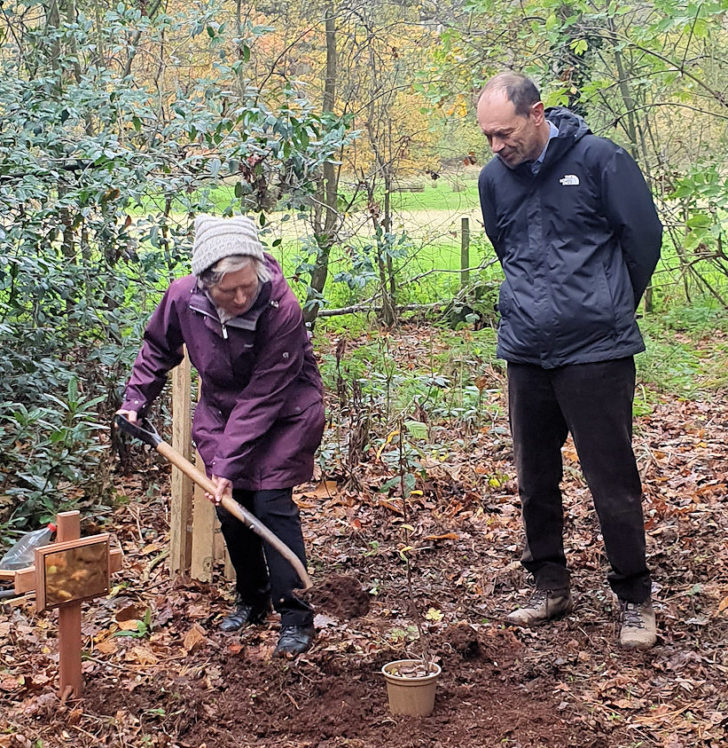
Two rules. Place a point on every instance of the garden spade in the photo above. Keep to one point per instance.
(148, 434)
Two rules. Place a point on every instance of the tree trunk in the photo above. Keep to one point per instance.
(328, 188)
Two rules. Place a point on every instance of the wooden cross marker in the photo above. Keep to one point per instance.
(66, 572)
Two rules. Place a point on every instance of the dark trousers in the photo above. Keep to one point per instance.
(263, 575)
(594, 403)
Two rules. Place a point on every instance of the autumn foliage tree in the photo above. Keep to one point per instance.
(116, 128)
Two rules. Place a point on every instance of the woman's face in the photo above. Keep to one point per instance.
(237, 291)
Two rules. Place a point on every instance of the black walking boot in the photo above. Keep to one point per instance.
(244, 614)
(294, 640)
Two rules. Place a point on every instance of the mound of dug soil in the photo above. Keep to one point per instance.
(340, 596)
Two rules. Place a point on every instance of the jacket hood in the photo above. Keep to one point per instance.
(278, 285)
(572, 128)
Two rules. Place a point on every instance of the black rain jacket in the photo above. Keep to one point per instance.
(578, 243)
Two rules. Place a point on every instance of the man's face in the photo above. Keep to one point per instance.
(237, 291)
(512, 137)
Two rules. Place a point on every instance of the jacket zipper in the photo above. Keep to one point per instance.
(212, 316)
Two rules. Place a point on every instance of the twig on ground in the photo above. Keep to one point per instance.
(292, 700)
(124, 668)
(155, 562)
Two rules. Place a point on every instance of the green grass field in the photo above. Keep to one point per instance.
(447, 193)
(428, 266)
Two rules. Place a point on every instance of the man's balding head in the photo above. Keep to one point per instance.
(518, 89)
(511, 116)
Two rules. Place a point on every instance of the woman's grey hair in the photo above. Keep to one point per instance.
(214, 274)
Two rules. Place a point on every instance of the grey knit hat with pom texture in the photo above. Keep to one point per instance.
(216, 238)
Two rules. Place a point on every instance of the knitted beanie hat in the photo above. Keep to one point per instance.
(216, 238)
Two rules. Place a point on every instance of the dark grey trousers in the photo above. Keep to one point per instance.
(262, 573)
(594, 403)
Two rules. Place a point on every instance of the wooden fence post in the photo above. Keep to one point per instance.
(648, 299)
(180, 516)
(464, 251)
(203, 533)
(195, 539)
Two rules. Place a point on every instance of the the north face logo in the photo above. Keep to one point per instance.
(569, 180)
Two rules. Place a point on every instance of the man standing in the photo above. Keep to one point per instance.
(576, 232)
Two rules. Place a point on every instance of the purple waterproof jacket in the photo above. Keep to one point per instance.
(260, 416)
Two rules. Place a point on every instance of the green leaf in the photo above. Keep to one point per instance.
(699, 220)
(73, 390)
(417, 429)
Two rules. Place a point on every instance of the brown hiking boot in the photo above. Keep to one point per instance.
(543, 606)
(638, 629)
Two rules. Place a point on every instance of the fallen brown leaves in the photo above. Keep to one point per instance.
(180, 682)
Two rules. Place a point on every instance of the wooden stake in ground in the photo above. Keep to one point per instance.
(194, 533)
(69, 616)
(180, 519)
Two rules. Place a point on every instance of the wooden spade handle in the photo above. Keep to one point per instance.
(232, 506)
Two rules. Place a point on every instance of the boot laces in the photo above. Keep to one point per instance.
(541, 597)
(538, 598)
(632, 616)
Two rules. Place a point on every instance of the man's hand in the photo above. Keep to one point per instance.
(223, 488)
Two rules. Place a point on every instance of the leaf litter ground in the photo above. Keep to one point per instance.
(181, 682)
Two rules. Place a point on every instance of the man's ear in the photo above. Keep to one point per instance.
(537, 112)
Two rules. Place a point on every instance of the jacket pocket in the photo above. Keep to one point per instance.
(607, 299)
(594, 318)
(505, 299)
(619, 292)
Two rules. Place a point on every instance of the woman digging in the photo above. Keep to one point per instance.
(260, 416)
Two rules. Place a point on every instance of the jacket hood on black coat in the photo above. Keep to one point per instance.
(572, 128)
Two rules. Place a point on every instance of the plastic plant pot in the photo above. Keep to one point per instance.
(413, 695)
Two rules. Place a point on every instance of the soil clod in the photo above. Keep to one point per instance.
(341, 596)
(464, 640)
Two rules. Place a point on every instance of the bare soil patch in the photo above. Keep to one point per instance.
(341, 596)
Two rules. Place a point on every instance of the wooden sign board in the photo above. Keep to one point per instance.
(72, 571)
(65, 573)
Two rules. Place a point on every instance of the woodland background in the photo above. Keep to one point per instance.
(324, 120)
(347, 130)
